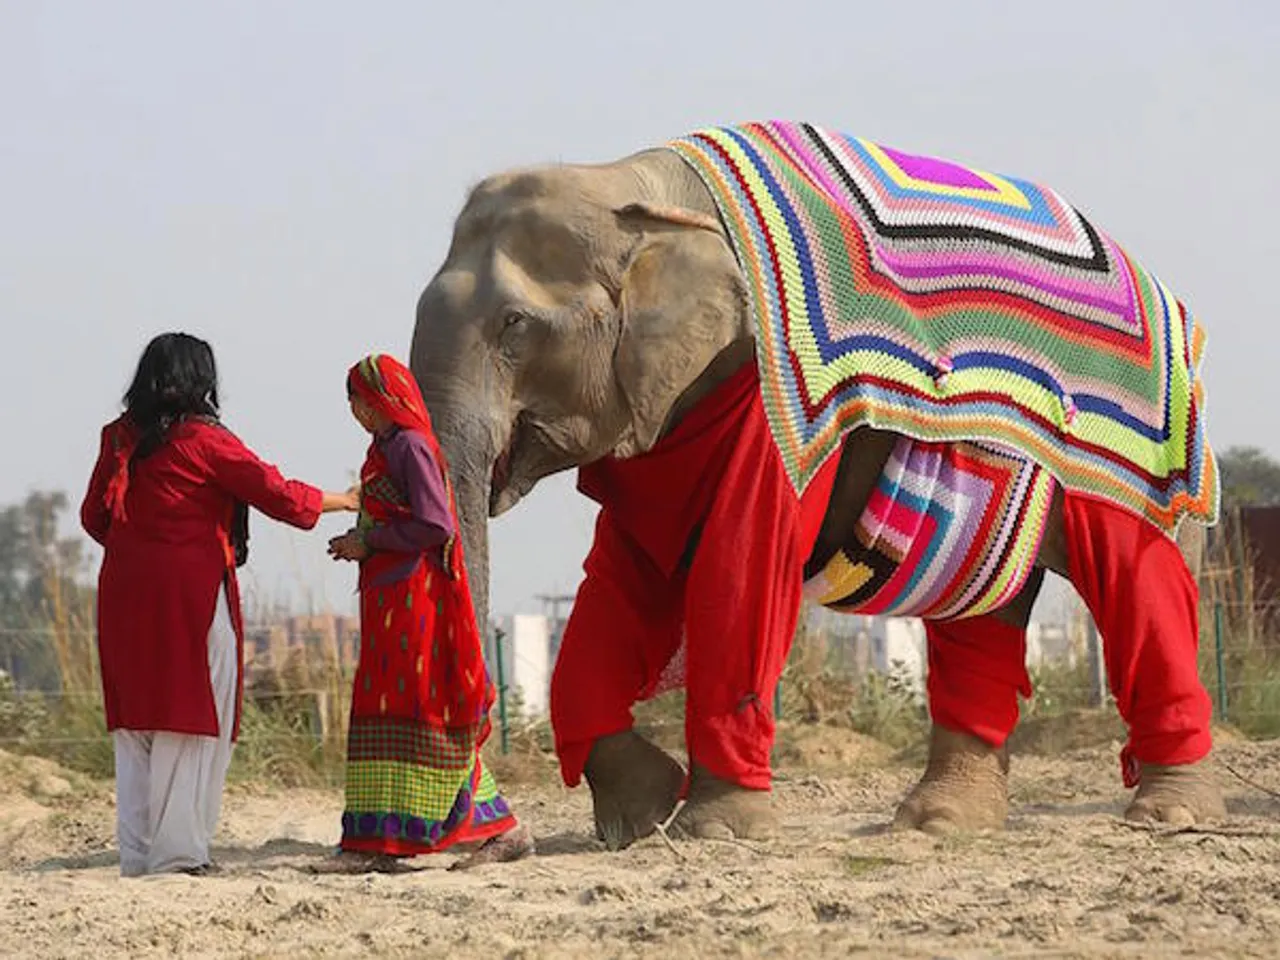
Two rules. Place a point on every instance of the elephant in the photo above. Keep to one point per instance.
(582, 314)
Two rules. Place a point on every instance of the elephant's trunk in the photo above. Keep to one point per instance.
(468, 450)
(473, 508)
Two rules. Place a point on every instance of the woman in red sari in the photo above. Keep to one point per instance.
(166, 492)
(415, 781)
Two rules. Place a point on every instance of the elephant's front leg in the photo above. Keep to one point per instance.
(624, 629)
(741, 608)
(634, 787)
(729, 730)
(977, 668)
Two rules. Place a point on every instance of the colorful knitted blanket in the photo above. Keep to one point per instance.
(949, 304)
(951, 530)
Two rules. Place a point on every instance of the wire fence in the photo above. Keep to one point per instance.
(296, 708)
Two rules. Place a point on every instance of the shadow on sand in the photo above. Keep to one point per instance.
(236, 859)
(302, 855)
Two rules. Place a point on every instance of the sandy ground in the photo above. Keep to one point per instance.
(1067, 879)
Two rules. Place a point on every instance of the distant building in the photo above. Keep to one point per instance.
(858, 645)
(527, 660)
(556, 608)
(320, 637)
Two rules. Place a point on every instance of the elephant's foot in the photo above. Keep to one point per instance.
(1181, 796)
(634, 787)
(965, 787)
(719, 810)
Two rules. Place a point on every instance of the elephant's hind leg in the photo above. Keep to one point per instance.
(1143, 597)
(977, 669)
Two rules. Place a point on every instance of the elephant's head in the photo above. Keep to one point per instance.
(574, 317)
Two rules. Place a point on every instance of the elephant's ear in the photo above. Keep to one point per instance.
(677, 216)
(682, 301)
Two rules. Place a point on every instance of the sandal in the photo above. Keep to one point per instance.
(209, 869)
(516, 844)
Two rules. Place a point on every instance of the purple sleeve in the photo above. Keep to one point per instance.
(415, 470)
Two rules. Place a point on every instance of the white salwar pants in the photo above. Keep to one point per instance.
(169, 785)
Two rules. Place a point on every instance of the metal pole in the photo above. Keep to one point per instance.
(502, 688)
(1219, 654)
(777, 700)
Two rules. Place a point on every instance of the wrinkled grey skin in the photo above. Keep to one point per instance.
(580, 312)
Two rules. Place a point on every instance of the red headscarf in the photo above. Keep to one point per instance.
(389, 387)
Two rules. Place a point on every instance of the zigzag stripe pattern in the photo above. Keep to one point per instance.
(950, 304)
(951, 530)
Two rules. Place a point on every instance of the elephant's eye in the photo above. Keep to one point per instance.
(512, 319)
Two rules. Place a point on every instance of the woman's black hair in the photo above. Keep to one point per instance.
(176, 378)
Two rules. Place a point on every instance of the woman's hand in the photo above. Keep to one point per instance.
(349, 501)
(349, 546)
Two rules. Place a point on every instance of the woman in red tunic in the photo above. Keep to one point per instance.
(420, 708)
(168, 486)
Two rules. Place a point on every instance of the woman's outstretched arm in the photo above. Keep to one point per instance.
(244, 475)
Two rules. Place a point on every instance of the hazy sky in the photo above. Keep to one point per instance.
(281, 178)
